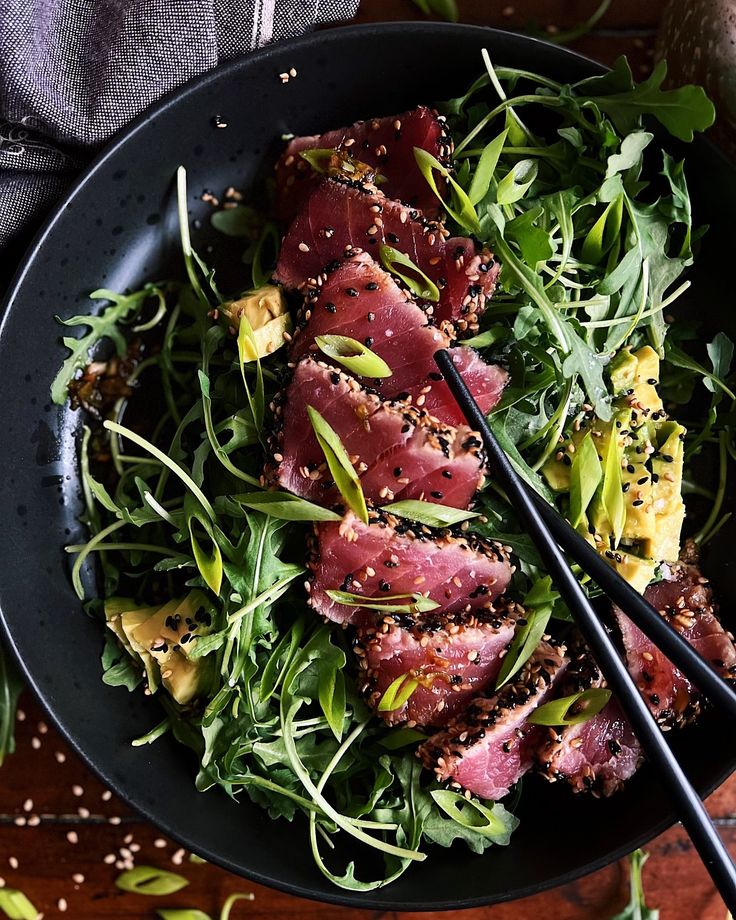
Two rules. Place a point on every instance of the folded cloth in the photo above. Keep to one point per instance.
(73, 72)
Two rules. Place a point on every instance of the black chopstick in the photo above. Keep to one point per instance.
(691, 810)
(639, 610)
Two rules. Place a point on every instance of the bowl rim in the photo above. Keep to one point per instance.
(118, 141)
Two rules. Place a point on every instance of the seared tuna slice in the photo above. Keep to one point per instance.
(359, 299)
(685, 600)
(397, 450)
(453, 658)
(339, 219)
(389, 557)
(386, 144)
(596, 756)
(488, 748)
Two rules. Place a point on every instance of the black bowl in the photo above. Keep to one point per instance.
(118, 227)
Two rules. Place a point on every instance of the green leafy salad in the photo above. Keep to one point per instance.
(590, 218)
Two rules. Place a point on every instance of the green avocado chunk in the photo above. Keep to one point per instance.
(651, 458)
(169, 635)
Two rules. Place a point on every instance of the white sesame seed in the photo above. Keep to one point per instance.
(20, 715)
(28, 805)
(159, 843)
(178, 857)
(303, 247)
(78, 878)
(34, 821)
(13, 862)
(83, 812)
(61, 904)
(2, 882)
(72, 837)
(42, 728)
(20, 821)
(114, 820)
(35, 743)
(125, 853)
(109, 859)
(106, 795)
(60, 756)
(119, 864)
(292, 71)
(77, 790)
(135, 848)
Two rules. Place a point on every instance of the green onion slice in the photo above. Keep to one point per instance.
(417, 602)
(585, 704)
(399, 264)
(341, 469)
(353, 355)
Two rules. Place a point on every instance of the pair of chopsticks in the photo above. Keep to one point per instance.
(551, 533)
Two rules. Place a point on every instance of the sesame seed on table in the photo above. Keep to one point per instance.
(64, 838)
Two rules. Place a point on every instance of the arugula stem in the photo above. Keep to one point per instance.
(705, 532)
(84, 551)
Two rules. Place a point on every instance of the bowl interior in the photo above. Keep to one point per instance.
(117, 228)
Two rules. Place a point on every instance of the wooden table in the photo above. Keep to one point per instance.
(61, 833)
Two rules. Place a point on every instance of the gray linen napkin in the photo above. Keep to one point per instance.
(73, 72)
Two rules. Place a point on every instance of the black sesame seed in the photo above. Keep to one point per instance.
(371, 317)
(368, 340)
(392, 238)
(351, 292)
(397, 471)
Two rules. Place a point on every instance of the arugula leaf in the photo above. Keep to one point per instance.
(491, 822)
(119, 668)
(682, 111)
(104, 326)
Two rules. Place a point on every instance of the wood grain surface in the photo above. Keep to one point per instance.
(64, 838)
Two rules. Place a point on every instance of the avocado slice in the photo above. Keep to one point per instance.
(168, 636)
(622, 371)
(114, 608)
(637, 571)
(268, 314)
(646, 379)
(669, 508)
(130, 621)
